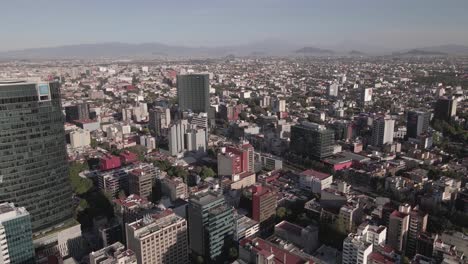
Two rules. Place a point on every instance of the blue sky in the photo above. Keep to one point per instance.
(384, 23)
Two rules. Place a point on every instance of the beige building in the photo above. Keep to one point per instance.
(80, 138)
(174, 188)
(114, 253)
(159, 238)
(140, 181)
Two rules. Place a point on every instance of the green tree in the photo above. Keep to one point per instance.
(207, 172)
(79, 184)
(281, 212)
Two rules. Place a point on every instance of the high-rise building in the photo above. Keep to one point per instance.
(193, 92)
(366, 96)
(159, 120)
(382, 131)
(15, 235)
(159, 238)
(229, 112)
(195, 139)
(113, 254)
(77, 112)
(210, 222)
(279, 105)
(176, 138)
(445, 109)
(417, 123)
(264, 203)
(333, 89)
(417, 225)
(356, 250)
(398, 230)
(33, 157)
(312, 140)
(236, 159)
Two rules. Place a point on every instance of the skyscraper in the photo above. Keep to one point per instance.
(382, 131)
(312, 140)
(210, 221)
(77, 112)
(15, 235)
(176, 138)
(33, 158)
(398, 230)
(159, 120)
(445, 109)
(263, 203)
(417, 123)
(193, 92)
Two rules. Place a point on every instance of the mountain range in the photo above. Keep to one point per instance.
(117, 50)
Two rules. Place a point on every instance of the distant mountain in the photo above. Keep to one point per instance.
(313, 50)
(356, 53)
(419, 52)
(450, 49)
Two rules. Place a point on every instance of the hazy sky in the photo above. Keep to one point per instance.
(384, 23)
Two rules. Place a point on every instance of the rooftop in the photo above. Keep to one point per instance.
(315, 174)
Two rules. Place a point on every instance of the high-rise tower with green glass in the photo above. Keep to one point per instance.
(33, 157)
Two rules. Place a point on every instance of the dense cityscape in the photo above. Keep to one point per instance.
(234, 132)
(235, 160)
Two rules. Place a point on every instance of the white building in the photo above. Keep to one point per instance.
(382, 131)
(315, 181)
(176, 138)
(113, 254)
(333, 89)
(80, 138)
(356, 250)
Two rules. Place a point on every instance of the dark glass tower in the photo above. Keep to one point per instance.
(417, 123)
(193, 92)
(312, 140)
(33, 158)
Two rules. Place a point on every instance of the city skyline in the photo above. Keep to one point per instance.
(372, 24)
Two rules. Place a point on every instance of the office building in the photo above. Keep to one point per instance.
(356, 250)
(264, 203)
(159, 238)
(159, 120)
(312, 140)
(366, 96)
(210, 222)
(174, 188)
(302, 237)
(113, 254)
(279, 105)
(193, 92)
(80, 138)
(15, 235)
(445, 109)
(377, 235)
(398, 230)
(315, 181)
(382, 131)
(176, 138)
(33, 157)
(195, 139)
(131, 208)
(229, 112)
(77, 112)
(141, 179)
(417, 123)
(245, 227)
(417, 225)
(333, 90)
(235, 160)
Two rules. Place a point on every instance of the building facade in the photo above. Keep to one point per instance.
(193, 92)
(15, 235)
(33, 157)
(312, 140)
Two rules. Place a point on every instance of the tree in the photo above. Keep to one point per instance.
(79, 184)
(281, 212)
(200, 260)
(207, 172)
(233, 254)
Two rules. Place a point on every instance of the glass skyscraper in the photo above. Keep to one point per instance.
(15, 235)
(33, 158)
(193, 92)
(312, 140)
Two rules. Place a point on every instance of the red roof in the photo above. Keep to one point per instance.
(281, 256)
(316, 174)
